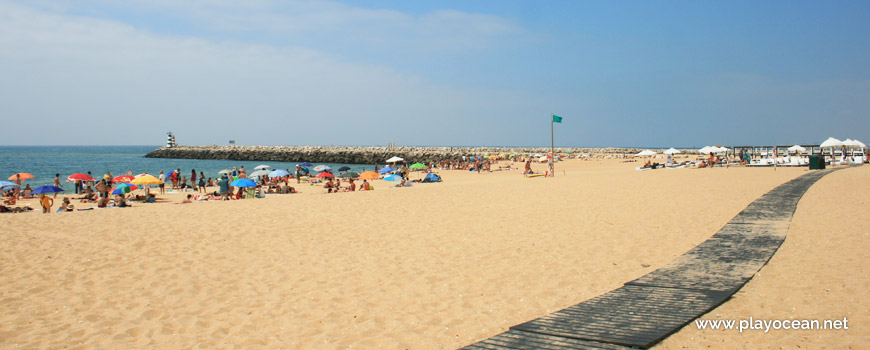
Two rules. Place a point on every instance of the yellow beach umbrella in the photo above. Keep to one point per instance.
(146, 180)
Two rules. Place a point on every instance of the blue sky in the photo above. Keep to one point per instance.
(620, 73)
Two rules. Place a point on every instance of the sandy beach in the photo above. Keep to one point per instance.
(433, 266)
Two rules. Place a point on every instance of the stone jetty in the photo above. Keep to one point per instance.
(370, 154)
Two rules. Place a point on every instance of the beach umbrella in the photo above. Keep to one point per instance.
(278, 173)
(322, 168)
(645, 153)
(349, 175)
(393, 178)
(418, 166)
(385, 170)
(259, 173)
(123, 178)
(47, 189)
(325, 174)
(394, 159)
(22, 176)
(262, 167)
(671, 151)
(344, 168)
(124, 188)
(6, 186)
(225, 171)
(369, 175)
(146, 179)
(305, 164)
(797, 148)
(80, 177)
(243, 183)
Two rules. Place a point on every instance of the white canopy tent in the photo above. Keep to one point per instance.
(672, 151)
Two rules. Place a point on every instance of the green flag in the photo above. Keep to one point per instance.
(557, 119)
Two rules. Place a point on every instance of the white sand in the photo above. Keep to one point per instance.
(433, 266)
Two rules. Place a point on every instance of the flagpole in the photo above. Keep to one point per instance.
(552, 146)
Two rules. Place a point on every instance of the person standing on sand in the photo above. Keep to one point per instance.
(298, 174)
(18, 182)
(46, 203)
(224, 187)
(162, 179)
(57, 183)
(193, 178)
(711, 160)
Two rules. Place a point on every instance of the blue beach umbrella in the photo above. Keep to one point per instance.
(7, 186)
(243, 183)
(385, 170)
(344, 168)
(305, 164)
(393, 178)
(47, 189)
(278, 173)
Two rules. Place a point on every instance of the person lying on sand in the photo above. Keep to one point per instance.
(5, 209)
(187, 200)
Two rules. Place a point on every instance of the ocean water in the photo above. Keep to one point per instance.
(46, 161)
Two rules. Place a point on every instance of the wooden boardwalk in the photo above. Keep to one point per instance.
(644, 311)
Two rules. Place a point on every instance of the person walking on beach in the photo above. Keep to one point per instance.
(46, 203)
(57, 183)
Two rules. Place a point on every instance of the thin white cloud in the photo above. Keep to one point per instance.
(97, 81)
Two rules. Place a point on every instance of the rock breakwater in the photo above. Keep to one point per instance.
(365, 155)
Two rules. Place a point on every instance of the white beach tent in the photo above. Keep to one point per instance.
(645, 153)
(671, 151)
(849, 143)
(394, 159)
(831, 143)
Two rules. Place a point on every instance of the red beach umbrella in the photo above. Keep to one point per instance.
(325, 174)
(23, 176)
(80, 177)
(123, 178)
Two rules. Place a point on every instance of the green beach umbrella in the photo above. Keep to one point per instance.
(418, 166)
(349, 175)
